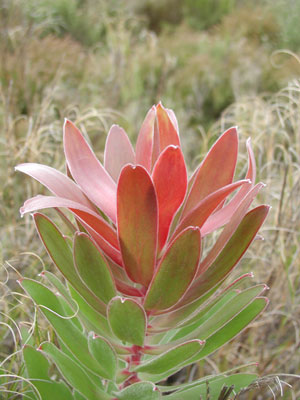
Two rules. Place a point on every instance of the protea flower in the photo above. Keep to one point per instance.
(138, 268)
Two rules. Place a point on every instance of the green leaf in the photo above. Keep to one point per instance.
(229, 255)
(194, 311)
(73, 373)
(239, 381)
(175, 272)
(59, 286)
(90, 317)
(173, 358)
(62, 256)
(71, 336)
(128, 320)
(222, 336)
(139, 391)
(233, 327)
(105, 355)
(210, 323)
(93, 268)
(37, 367)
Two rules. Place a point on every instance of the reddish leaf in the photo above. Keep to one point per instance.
(88, 172)
(173, 119)
(175, 272)
(231, 253)
(170, 180)
(203, 210)
(230, 228)
(104, 245)
(222, 216)
(100, 230)
(58, 183)
(168, 133)
(144, 144)
(216, 170)
(137, 223)
(118, 151)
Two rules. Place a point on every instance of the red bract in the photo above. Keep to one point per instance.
(141, 194)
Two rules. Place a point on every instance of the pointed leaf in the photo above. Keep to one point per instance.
(37, 367)
(118, 152)
(128, 320)
(58, 183)
(170, 181)
(173, 358)
(204, 209)
(216, 170)
(70, 335)
(93, 268)
(139, 391)
(73, 373)
(230, 255)
(222, 216)
(103, 233)
(239, 381)
(168, 132)
(230, 228)
(88, 172)
(91, 318)
(232, 328)
(137, 223)
(204, 327)
(144, 144)
(62, 256)
(175, 272)
(103, 352)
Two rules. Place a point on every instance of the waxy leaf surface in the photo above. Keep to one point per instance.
(61, 254)
(58, 183)
(118, 151)
(222, 216)
(232, 328)
(230, 228)
(93, 268)
(205, 327)
(167, 130)
(103, 352)
(127, 320)
(88, 172)
(216, 170)
(73, 373)
(139, 391)
(170, 181)
(171, 359)
(37, 367)
(175, 272)
(239, 381)
(230, 255)
(144, 144)
(137, 223)
(72, 337)
(203, 210)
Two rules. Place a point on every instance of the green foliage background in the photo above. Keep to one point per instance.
(216, 63)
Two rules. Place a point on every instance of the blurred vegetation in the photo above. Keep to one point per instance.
(216, 63)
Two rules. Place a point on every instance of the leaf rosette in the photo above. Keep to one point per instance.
(144, 296)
